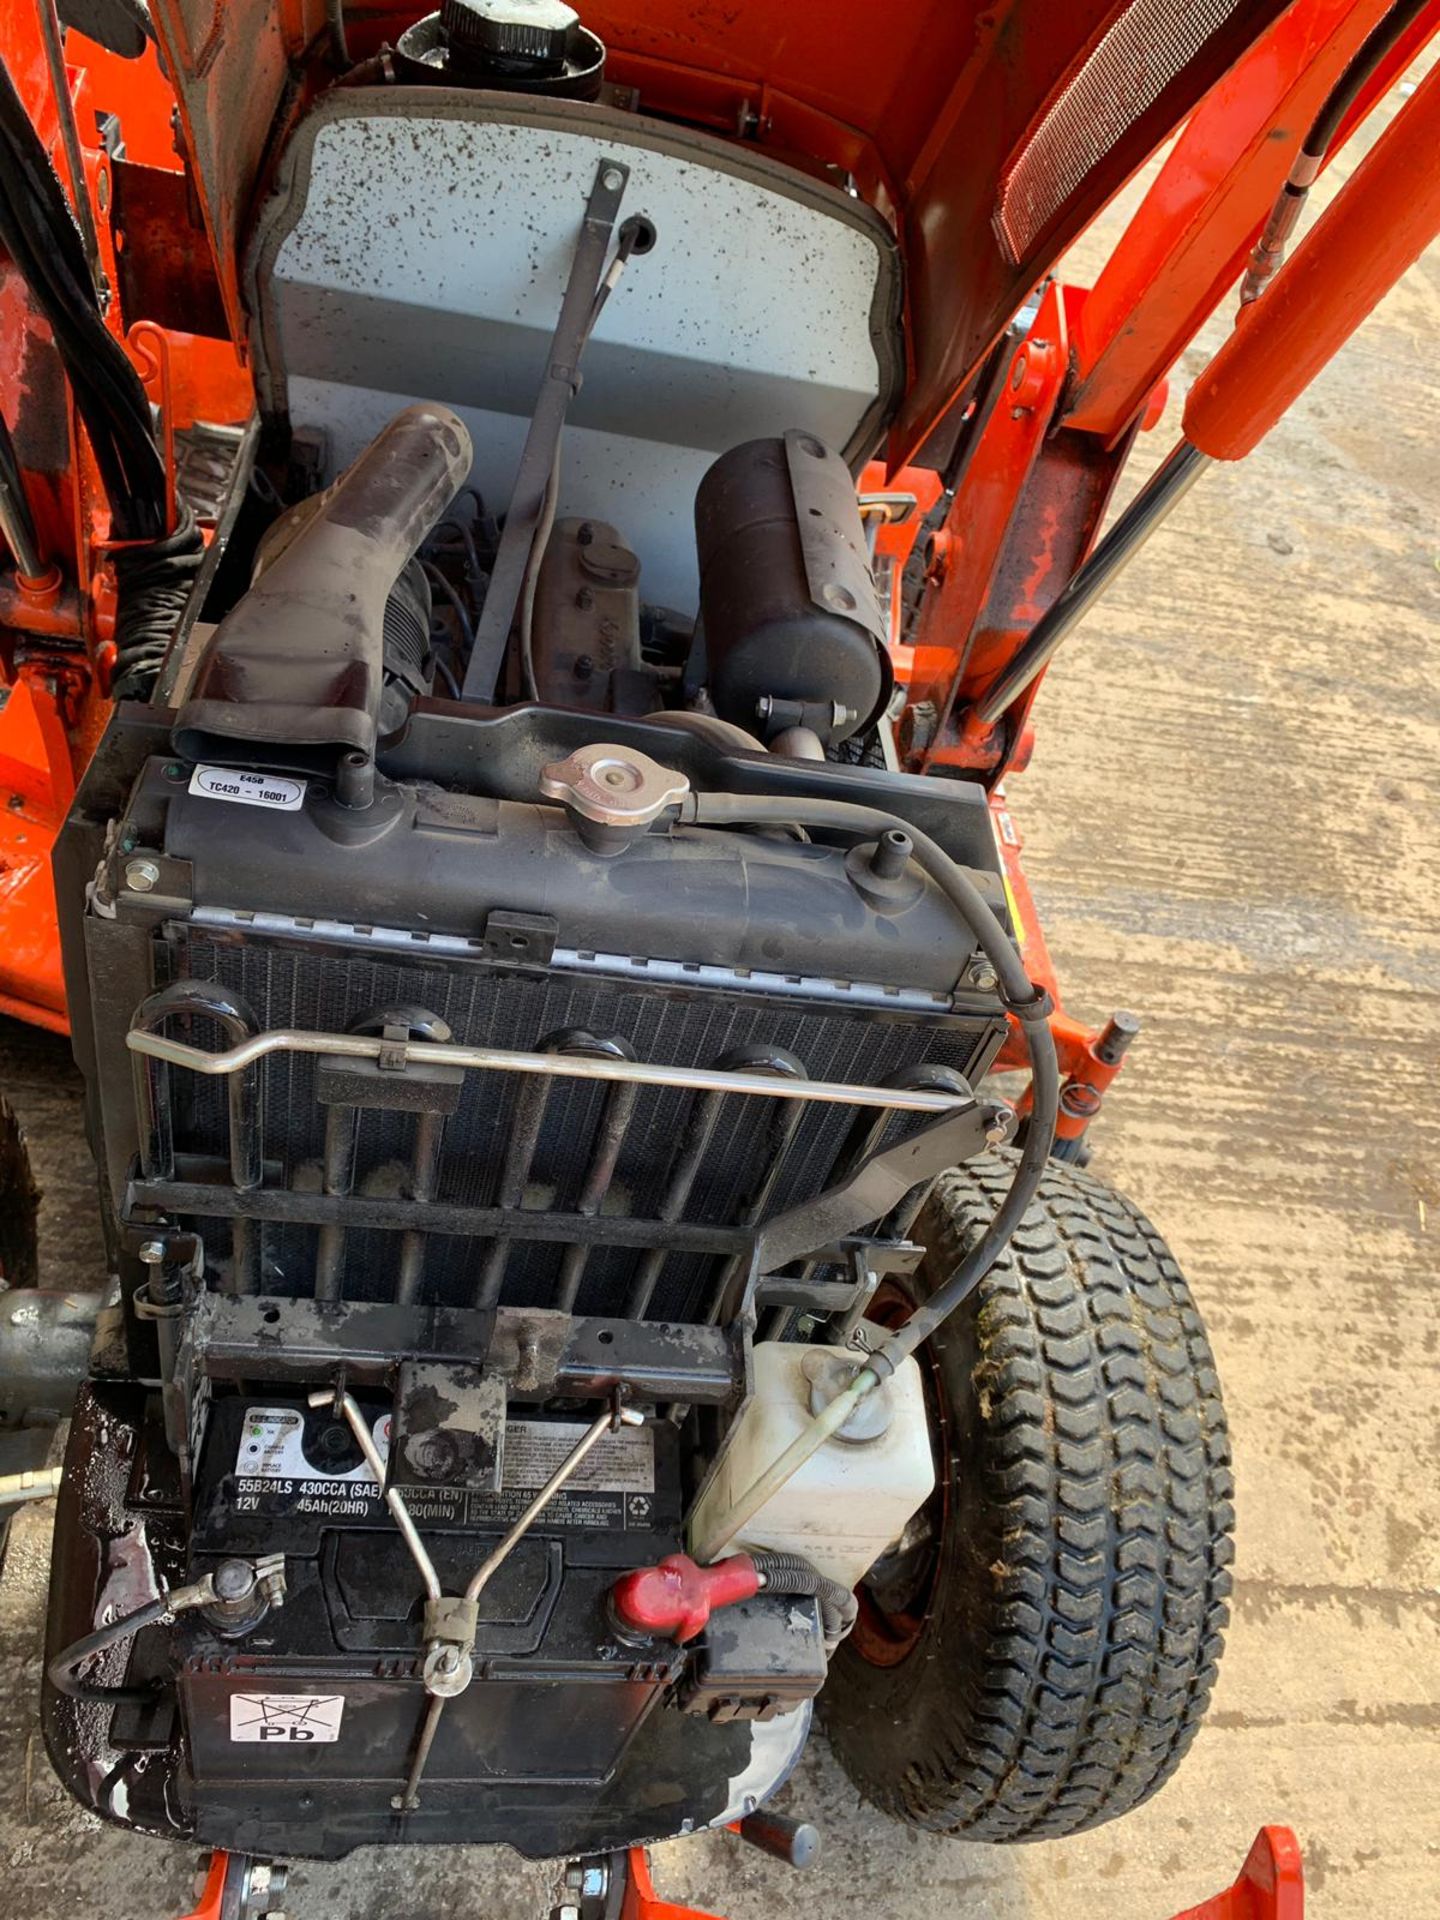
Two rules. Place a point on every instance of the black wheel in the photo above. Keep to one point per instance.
(1037, 1654)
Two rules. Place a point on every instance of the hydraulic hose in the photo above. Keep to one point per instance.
(62, 1669)
(1362, 63)
(1022, 998)
(1285, 214)
(1158, 498)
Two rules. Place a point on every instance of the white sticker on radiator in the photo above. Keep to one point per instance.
(250, 789)
(286, 1719)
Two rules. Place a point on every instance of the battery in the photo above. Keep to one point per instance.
(323, 1700)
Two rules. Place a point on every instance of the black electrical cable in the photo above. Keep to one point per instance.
(1030, 1005)
(791, 1573)
(38, 231)
(13, 484)
(152, 585)
(62, 1670)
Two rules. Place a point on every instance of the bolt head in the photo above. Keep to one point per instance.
(981, 974)
(141, 876)
(233, 1580)
(613, 179)
(153, 1253)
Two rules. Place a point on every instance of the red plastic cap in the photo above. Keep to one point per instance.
(676, 1598)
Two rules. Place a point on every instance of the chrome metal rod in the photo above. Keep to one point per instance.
(50, 32)
(606, 1423)
(357, 1046)
(17, 526)
(36, 1483)
(400, 1513)
(1165, 488)
(410, 1799)
(485, 1572)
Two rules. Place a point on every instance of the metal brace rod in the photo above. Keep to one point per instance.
(570, 1066)
(613, 1418)
(399, 1512)
(881, 1183)
(542, 442)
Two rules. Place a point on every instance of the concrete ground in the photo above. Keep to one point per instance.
(1232, 824)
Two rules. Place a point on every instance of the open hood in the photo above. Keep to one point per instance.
(987, 132)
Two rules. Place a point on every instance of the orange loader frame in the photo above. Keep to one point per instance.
(1048, 410)
(1269, 1886)
(1020, 408)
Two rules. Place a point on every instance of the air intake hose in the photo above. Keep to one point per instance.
(293, 675)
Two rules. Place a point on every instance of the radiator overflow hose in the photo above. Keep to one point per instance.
(1030, 1005)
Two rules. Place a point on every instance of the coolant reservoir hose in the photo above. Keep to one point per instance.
(1031, 1007)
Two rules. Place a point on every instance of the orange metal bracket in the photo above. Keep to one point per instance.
(1271, 1885)
(641, 1900)
(1377, 226)
(212, 1895)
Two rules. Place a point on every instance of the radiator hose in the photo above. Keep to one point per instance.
(1031, 1007)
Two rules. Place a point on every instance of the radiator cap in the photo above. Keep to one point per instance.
(612, 793)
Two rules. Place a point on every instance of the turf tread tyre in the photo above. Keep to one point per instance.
(1071, 1645)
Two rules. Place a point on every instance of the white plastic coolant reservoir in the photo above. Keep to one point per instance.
(852, 1499)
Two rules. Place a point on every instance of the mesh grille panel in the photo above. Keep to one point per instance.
(1121, 78)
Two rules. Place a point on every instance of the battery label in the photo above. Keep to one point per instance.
(612, 1490)
(271, 1460)
(286, 1719)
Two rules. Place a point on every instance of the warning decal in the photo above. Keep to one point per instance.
(283, 1467)
(286, 1719)
(624, 1462)
(612, 1490)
